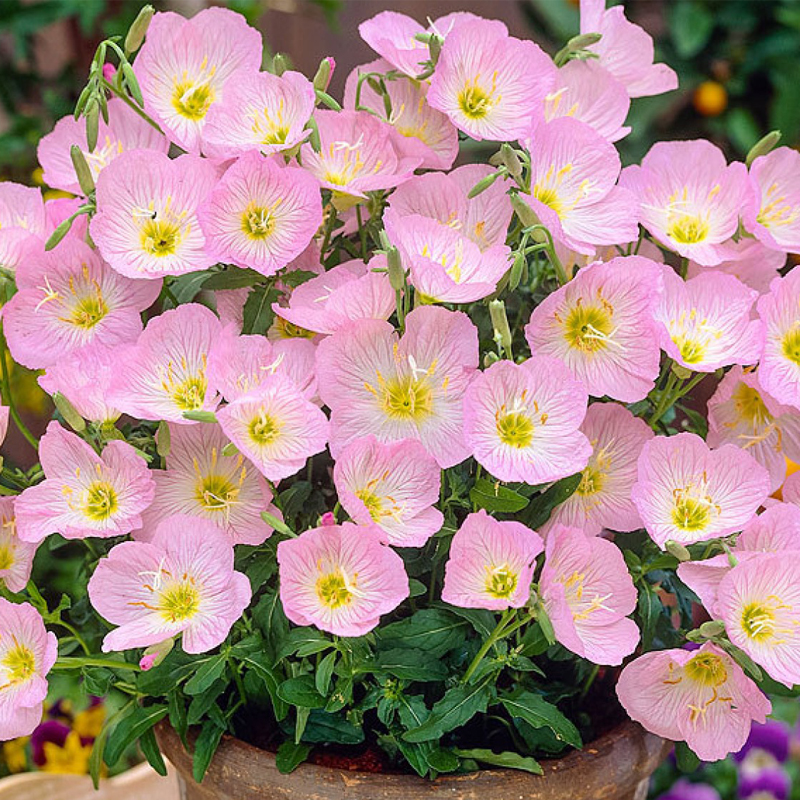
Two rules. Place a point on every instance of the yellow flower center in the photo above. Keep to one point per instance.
(589, 328)
(6, 557)
(179, 601)
(706, 669)
(475, 102)
(258, 222)
(549, 197)
(288, 330)
(215, 492)
(758, 620)
(407, 399)
(791, 345)
(190, 393)
(750, 407)
(332, 590)
(373, 503)
(192, 100)
(264, 429)
(89, 310)
(160, 237)
(688, 229)
(691, 350)
(691, 513)
(19, 664)
(592, 481)
(515, 429)
(501, 581)
(101, 501)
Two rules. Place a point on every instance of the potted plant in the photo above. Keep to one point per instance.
(389, 466)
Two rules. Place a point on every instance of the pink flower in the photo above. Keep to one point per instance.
(759, 602)
(392, 487)
(779, 367)
(164, 373)
(751, 262)
(16, 556)
(690, 198)
(588, 92)
(70, 301)
(348, 292)
(773, 213)
(181, 582)
(57, 209)
(125, 130)
(411, 388)
(261, 215)
(276, 427)
(490, 84)
(146, 223)
(522, 421)
(428, 133)
(200, 481)
(392, 36)
(358, 154)
(600, 325)
(83, 493)
(706, 321)
(483, 219)
(689, 493)
(262, 112)
(27, 654)
(700, 696)
(587, 592)
(741, 413)
(791, 489)
(185, 66)
(238, 365)
(491, 564)
(23, 225)
(445, 265)
(573, 175)
(626, 50)
(340, 578)
(603, 497)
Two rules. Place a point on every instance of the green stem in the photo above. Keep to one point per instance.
(328, 232)
(589, 681)
(76, 662)
(9, 400)
(124, 97)
(362, 233)
(684, 268)
(498, 633)
(663, 400)
(78, 638)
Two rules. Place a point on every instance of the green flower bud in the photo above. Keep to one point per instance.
(137, 31)
(763, 146)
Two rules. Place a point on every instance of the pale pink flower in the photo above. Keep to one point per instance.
(791, 489)
(125, 130)
(626, 50)
(340, 578)
(773, 211)
(588, 592)
(85, 378)
(429, 133)
(491, 564)
(601, 326)
(445, 265)
(392, 487)
(751, 262)
(741, 413)
(358, 153)
(16, 556)
(238, 365)
(261, 215)
(230, 306)
(490, 84)
(70, 301)
(603, 497)
(700, 696)
(588, 92)
(27, 654)
(689, 493)
(164, 373)
(411, 388)
(186, 64)
(262, 112)
(759, 602)
(83, 493)
(276, 427)
(182, 582)
(690, 198)
(200, 481)
(23, 226)
(574, 171)
(348, 292)
(522, 421)
(146, 223)
(483, 219)
(392, 36)
(705, 322)
(779, 367)
(57, 209)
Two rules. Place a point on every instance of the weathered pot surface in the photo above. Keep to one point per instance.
(615, 766)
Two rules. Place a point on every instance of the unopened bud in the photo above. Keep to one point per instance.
(502, 332)
(681, 372)
(712, 628)
(200, 416)
(763, 146)
(163, 439)
(324, 71)
(517, 270)
(230, 449)
(544, 623)
(132, 83)
(69, 412)
(582, 41)
(511, 161)
(327, 520)
(490, 358)
(155, 654)
(527, 216)
(424, 37)
(394, 266)
(59, 233)
(678, 550)
(137, 31)
(483, 184)
(82, 171)
(280, 63)
(92, 123)
(435, 47)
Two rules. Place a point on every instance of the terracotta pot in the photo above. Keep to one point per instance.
(617, 766)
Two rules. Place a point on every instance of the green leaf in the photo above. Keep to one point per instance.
(323, 727)
(458, 706)
(277, 524)
(204, 748)
(264, 672)
(324, 673)
(441, 759)
(297, 277)
(482, 620)
(201, 703)
(685, 758)
(149, 746)
(302, 692)
(97, 680)
(258, 314)
(290, 756)
(206, 675)
(185, 287)
(304, 642)
(649, 608)
(232, 278)
(492, 496)
(416, 755)
(507, 759)
(540, 508)
(129, 728)
(536, 711)
(177, 713)
(433, 630)
(410, 665)
(691, 24)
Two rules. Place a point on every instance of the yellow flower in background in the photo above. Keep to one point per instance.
(15, 754)
(71, 759)
(87, 724)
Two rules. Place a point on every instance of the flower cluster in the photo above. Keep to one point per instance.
(308, 442)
